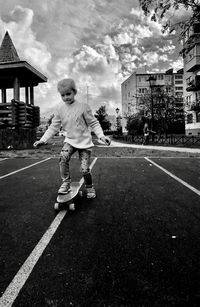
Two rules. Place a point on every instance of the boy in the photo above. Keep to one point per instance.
(76, 119)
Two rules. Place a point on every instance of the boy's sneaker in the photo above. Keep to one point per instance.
(91, 193)
(64, 188)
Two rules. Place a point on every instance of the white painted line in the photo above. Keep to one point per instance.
(142, 157)
(175, 177)
(13, 289)
(124, 157)
(93, 163)
(21, 169)
(91, 166)
(176, 149)
(20, 278)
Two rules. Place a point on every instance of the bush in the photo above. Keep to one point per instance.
(134, 125)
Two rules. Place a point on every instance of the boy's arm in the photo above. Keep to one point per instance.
(94, 124)
(52, 130)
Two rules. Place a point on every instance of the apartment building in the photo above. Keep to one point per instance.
(133, 88)
(191, 59)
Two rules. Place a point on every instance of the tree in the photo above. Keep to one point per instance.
(160, 9)
(134, 124)
(102, 117)
(50, 119)
(167, 110)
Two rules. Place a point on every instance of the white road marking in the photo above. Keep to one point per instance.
(20, 278)
(13, 289)
(142, 157)
(21, 169)
(154, 147)
(93, 163)
(3, 159)
(175, 177)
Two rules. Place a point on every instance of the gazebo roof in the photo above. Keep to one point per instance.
(11, 66)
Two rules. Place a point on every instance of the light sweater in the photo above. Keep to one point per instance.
(76, 120)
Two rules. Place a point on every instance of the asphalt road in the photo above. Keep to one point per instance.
(136, 244)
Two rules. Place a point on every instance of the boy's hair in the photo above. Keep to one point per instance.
(66, 84)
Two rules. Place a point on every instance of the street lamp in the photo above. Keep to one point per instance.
(117, 120)
(151, 80)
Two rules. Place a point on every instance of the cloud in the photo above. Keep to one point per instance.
(18, 24)
(132, 43)
(96, 42)
(176, 65)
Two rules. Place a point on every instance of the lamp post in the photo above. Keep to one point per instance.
(151, 82)
(117, 119)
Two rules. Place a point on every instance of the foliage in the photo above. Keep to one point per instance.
(168, 113)
(102, 117)
(160, 10)
(134, 124)
(49, 121)
(166, 108)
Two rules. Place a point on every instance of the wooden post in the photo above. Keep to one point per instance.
(3, 95)
(16, 87)
(32, 95)
(27, 95)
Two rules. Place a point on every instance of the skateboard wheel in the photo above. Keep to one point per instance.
(56, 206)
(80, 193)
(72, 207)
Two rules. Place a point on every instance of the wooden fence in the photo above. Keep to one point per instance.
(19, 114)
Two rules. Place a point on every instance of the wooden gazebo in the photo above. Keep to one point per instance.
(16, 74)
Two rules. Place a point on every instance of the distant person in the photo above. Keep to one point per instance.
(76, 120)
(146, 134)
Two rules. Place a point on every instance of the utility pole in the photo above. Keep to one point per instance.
(87, 94)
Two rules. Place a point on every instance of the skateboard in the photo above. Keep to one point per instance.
(67, 200)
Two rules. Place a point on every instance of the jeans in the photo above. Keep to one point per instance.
(84, 157)
(146, 139)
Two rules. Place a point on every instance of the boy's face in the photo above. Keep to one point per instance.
(67, 96)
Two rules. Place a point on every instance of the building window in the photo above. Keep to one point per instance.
(178, 82)
(178, 88)
(179, 94)
(188, 80)
(160, 77)
(142, 90)
(189, 118)
(168, 79)
(190, 54)
(198, 117)
(178, 77)
(168, 90)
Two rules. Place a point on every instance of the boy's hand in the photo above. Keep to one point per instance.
(38, 143)
(105, 140)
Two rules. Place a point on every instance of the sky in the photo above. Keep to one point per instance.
(98, 43)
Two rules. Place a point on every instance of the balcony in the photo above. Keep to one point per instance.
(195, 106)
(193, 64)
(193, 85)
